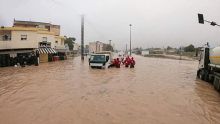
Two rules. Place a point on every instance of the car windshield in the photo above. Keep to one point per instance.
(97, 58)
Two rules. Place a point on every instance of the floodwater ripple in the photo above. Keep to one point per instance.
(156, 91)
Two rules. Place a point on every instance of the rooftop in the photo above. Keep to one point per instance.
(21, 29)
(32, 23)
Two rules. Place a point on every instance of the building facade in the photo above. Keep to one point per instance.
(26, 38)
(76, 48)
(98, 47)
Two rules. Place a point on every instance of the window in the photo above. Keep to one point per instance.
(23, 37)
(107, 58)
(44, 39)
(97, 58)
(6, 38)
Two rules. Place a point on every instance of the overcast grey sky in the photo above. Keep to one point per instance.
(156, 23)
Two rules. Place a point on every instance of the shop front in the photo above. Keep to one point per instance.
(17, 57)
(46, 54)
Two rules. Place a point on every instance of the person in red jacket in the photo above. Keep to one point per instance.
(127, 61)
(132, 62)
(113, 63)
(117, 63)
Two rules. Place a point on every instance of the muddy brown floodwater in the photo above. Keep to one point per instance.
(157, 91)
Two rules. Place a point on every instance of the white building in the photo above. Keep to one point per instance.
(96, 47)
(145, 52)
(76, 48)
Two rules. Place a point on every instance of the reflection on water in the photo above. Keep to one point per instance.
(157, 91)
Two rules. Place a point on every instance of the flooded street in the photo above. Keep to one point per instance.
(156, 91)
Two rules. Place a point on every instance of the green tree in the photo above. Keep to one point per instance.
(189, 48)
(70, 42)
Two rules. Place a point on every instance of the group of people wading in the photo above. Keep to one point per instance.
(127, 62)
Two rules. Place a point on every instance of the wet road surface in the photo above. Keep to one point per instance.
(156, 91)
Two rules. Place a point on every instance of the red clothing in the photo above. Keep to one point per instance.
(127, 62)
(132, 62)
(118, 63)
(114, 62)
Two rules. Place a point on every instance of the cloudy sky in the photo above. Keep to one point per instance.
(156, 23)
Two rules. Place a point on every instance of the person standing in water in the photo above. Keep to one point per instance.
(113, 64)
(127, 62)
(118, 63)
(132, 62)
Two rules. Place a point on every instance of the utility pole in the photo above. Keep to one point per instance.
(82, 37)
(110, 43)
(180, 53)
(126, 49)
(130, 39)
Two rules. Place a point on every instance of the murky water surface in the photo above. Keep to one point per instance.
(157, 91)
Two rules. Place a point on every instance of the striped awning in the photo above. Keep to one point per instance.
(46, 50)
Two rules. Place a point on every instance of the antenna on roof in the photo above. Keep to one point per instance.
(14, 22)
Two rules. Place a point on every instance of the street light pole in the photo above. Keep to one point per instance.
(126, 49)
(110, 43)
(130, 39)
(82, 37)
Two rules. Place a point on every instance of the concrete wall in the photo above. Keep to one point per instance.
(43, 58)
(51, 28)
(92, 47)
(59, 44)
(95, 47)
(16, 41)
(55, 29)
(33, 39)
(50, 38)
(145, 52)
